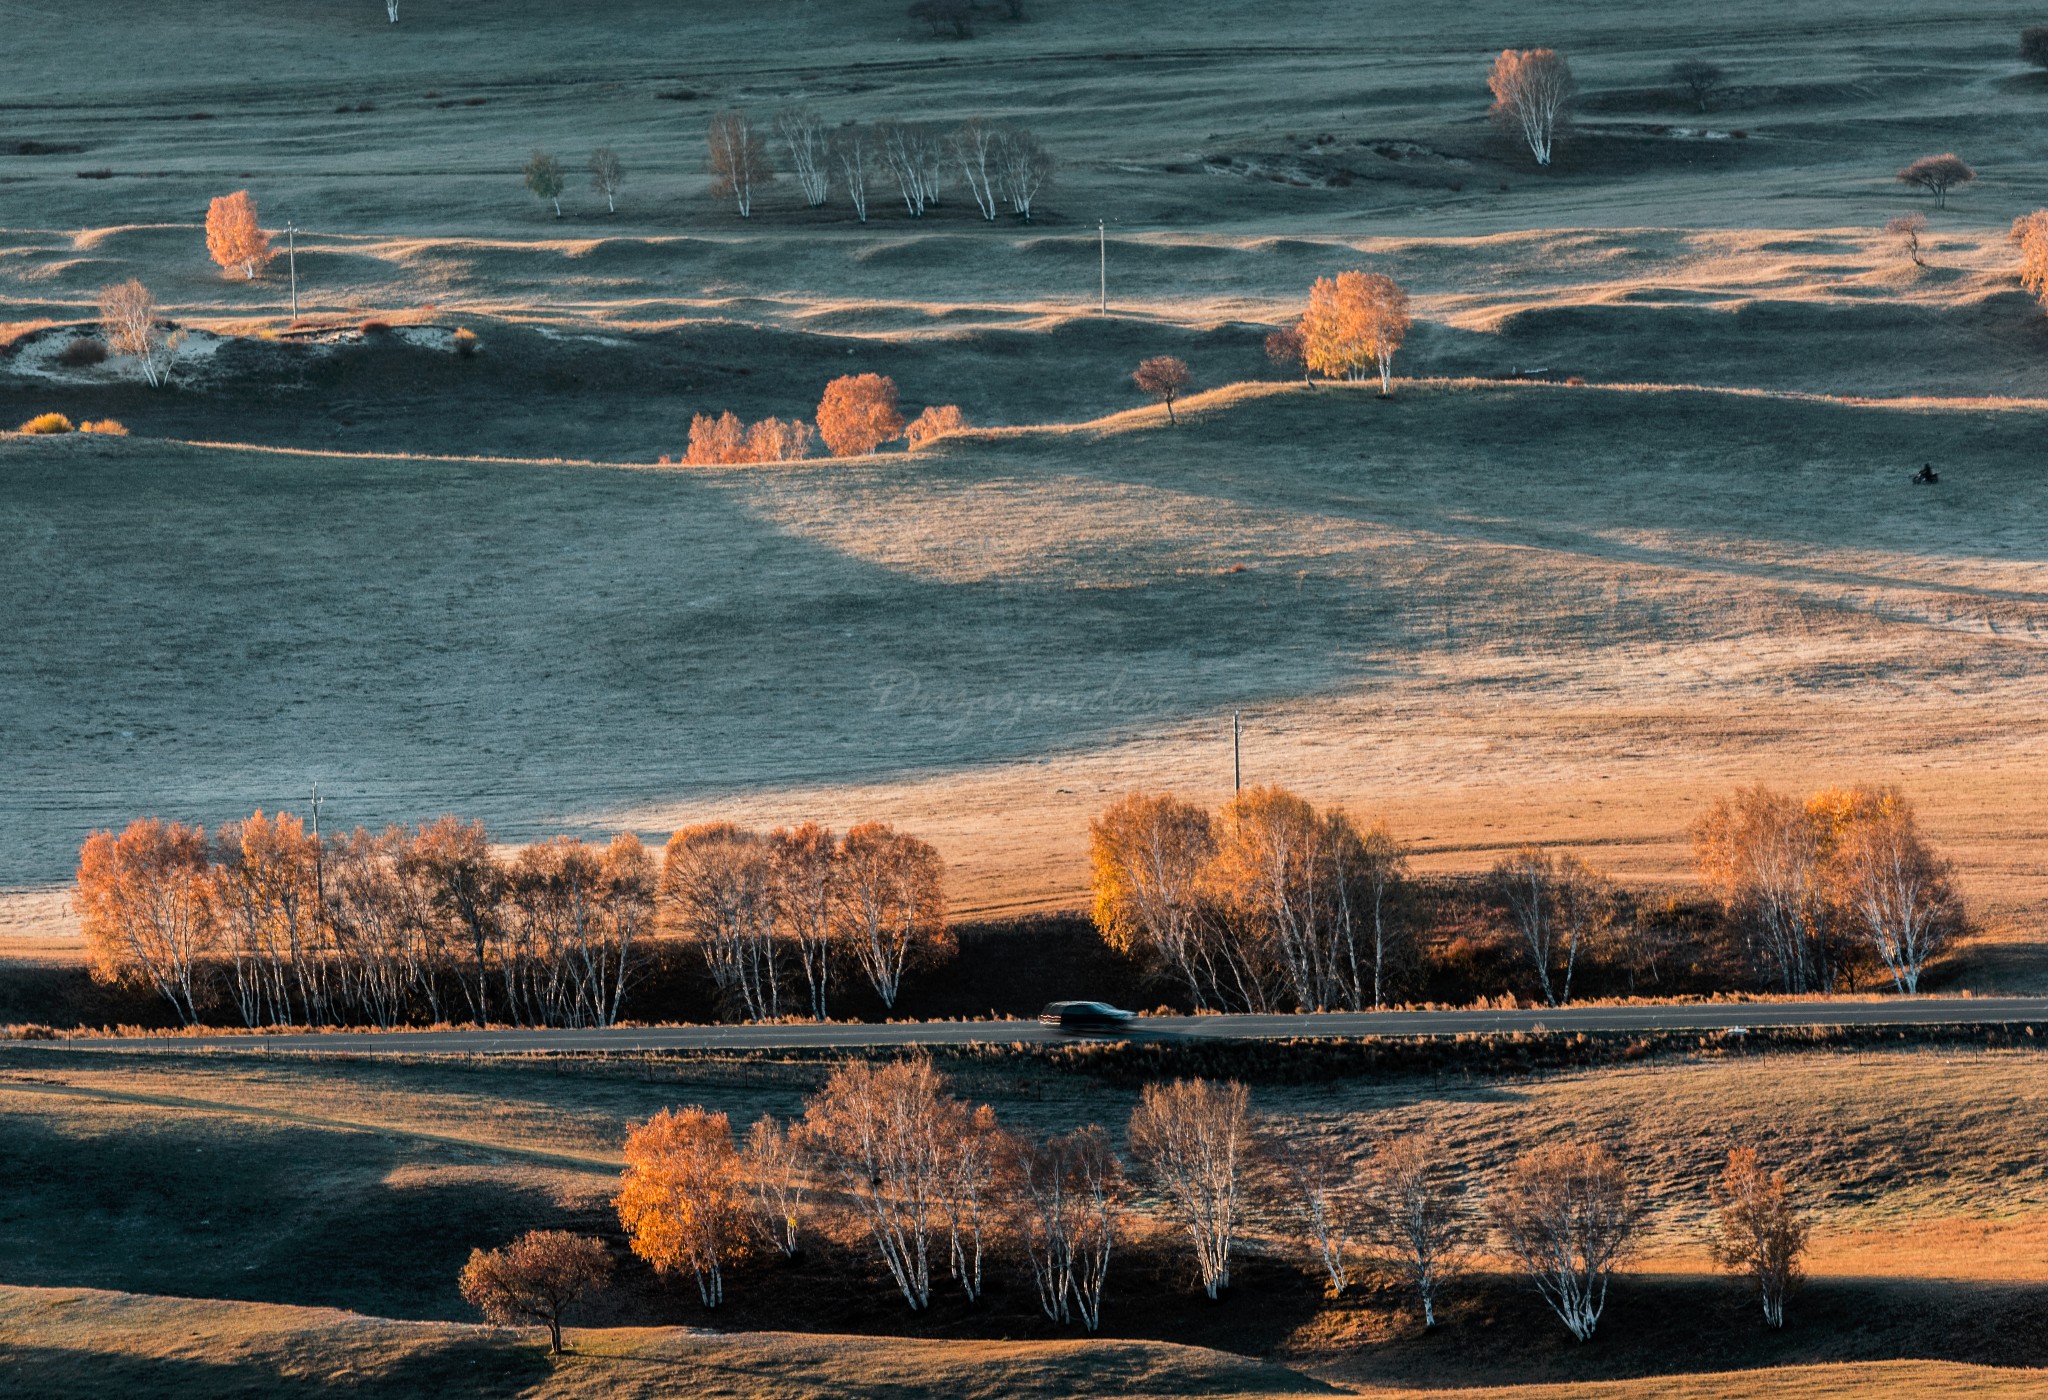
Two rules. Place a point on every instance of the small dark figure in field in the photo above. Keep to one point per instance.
(1926, 476)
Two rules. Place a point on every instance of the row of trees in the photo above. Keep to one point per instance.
(428, 923)
(936, 1185)
(857, 414)
(1272, 903)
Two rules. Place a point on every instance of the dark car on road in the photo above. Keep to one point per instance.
(1086, 1016)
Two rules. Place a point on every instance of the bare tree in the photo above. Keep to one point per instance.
(607, 174)
(1757, 849)
(1568, 1213)
(774, 1165)
(804, 868)
(1758, 1231)
(877, 1131)
(1064, 1197)
(1555, 902)
(1938, 175)
(545, 180)
(1901, 892)
(1315, 1184)
(853, 151)
(539, 1276)
(890, 904)
(1908, 229)
(717, 888)
(976, 147)
(973, 1147)
(1024, 170)
(391, 10)
(911, 152)
(1193, 1138)
(804, 136)
(128, 323)
(1415, 1227)
(739, 160)
(1163, 377)
(1699, 79)
(1532, 95)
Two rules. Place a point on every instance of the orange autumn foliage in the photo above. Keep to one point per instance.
(233, 235)
(683, 1200)
(858, 414)
(1354, 323)
(934, 422)
(726, 441)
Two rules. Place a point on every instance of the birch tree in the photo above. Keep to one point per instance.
(1532, 96)
(912, 153)
(1415, 1228)
(1555, 903)
(1759, 1233)
(128, 323)
(804, 867)
(1900, 892)
(1065, 1201)
(890, 906)
(973, 1148)
(1150, 855)
(1315, 1185)
(545, 181)
(853, 154)
(876, 1131)
(143, 907)
(1193, 1138)
(739, 160)
(1568, 1213)
(682, 1200)
(718, 889)
(976, 147)
(804, 137)
(773, 1159)
(234, 238)
(1757, 849)
(607, 174)
(1024, 170)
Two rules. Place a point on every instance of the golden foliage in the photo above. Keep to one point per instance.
(46, 425)
(683, 1200)
(2030, 233)
(726, 441)
(106, 427)
(858, 414)
(233, 236)
(143, 905)
(1355, 322)
(935, 422)
(1532, 94)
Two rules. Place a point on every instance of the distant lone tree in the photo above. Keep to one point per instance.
(739, 160)
(1698, 79)
(2034, 45)
(1285, 349)
(944, 15)
(1938, 175)
(1908, 228)
(1532, 95)
(536, 1278)
(544, 178)
(391, 10)
(1568, 1214)
(1163, 377)
(804, 136)
(607, 173)
(233, 236)
(858, 414)
(2030, 235)
(1355, 322)
(1758, 1232)
(128, 324)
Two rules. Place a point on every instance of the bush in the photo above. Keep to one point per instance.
(47, 424)
(105, 427)
(376, 328)
(934, 422)
(82, 352)
(466, 343)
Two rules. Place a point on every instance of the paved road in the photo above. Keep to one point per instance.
(1916, 1011)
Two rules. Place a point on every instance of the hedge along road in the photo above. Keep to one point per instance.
(1689, 1016)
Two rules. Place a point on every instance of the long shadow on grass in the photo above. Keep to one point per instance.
(450, 1367)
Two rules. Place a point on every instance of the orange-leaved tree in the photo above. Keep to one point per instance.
(143, 901)
(1759, 1231)
(233, 236)
(936, 421)
(536, 1278)
(1355, 322)
(890, 904)
(2030, 235)
(858, 414)
(684, 1198)
(1163, 377)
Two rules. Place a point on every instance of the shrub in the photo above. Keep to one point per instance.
(105, 427)
(47, 424)
(83, 352)
(466, 343)
(934, 422)
(376, 328)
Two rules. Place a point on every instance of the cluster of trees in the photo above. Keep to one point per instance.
(1823, 887)
(1002, 166)
(935, 1185)
(857, 414)
(424, 924)
(1274, 904)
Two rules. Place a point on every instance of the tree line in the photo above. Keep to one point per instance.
(1274, 904)
(942, 1192)
(857, 414)
(280, 926)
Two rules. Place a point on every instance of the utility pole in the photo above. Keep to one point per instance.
(291, 234)
(1102, 257)
(1237, 751)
